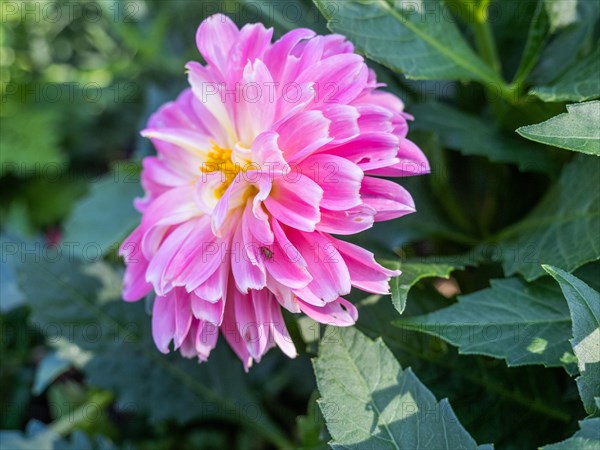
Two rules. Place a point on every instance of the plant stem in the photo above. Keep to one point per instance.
(485, 39)
(486, 46)
(68, 422)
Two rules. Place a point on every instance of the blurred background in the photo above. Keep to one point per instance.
(79, 79)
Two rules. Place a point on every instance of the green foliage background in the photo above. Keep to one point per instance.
(492, 332)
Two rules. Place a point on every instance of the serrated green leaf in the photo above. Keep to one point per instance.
(584, 304)
(520, 322)
(472, 135)
(418, 39)
(587, 438)
(494, 402)
(575, 130)
(81, 303)
(368, 401)
(562, 230)
(581, 82)
(412, 273)
(105, 216)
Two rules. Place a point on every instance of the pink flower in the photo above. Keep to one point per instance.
(275, 147)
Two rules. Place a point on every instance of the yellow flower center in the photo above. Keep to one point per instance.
(219, 160)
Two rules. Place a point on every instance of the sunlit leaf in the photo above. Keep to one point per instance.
(520, 322)
(418, 39)
(584, 304)
(587, 438)
(412, 273)
(575, 130)
(369, 401)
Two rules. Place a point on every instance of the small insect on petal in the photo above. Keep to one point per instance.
(266, 252)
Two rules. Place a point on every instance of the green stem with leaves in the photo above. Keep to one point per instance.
(484, 38)
(486, 46)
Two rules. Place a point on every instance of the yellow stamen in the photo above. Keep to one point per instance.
(219, 160)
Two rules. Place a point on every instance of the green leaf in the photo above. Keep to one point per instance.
(81, 303)
(412, 273)
(494, 402)
(50, 368)
(520, 322)
(472, 135)
(29, 140)
(311, 427)
(56, 362)
(368, 401)
(587, 438)
(104, 217)
(277, 14)
(584, 304)
(575, 130)
(581, 82)
(562, 230)
(418, 39)
(568, 43)
(536, 39)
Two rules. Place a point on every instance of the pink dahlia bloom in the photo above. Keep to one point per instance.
(273, 148)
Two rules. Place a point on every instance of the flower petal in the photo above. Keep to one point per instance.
(340, 312)
(352, 221)
(412, 162)
(135, 285)
(211, 312)
(255, 110)
(163, 323)
(190, 140)
(246, 274)
(339, 78)
(285, 263)
(279, 59)
(209, 91)
(279, 331)
(294, 201)
(330, 274)
(302, 134)
(365, 272)
(339, 178)
(215, 37)
(389, 199)
(168, 251)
